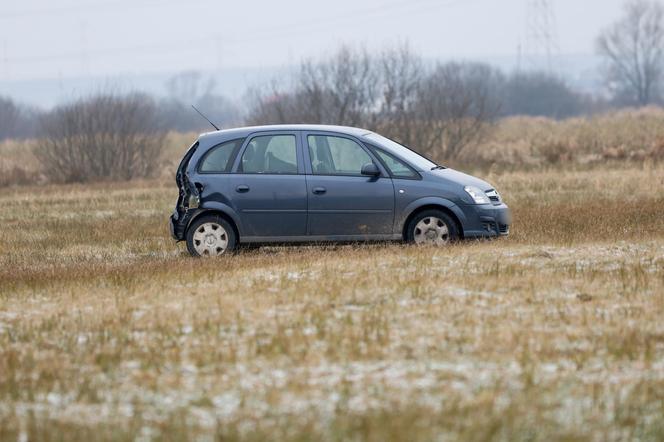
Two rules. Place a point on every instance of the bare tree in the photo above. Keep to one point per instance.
(274, 104)
(103, 137)
(634, 49)
(340, 90)
(401, 73)
(455, 104)
(350, 82)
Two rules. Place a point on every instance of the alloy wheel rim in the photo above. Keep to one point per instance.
(210, 239)
(432, 231)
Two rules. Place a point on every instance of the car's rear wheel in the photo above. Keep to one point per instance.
(432, 228)
(210, 236)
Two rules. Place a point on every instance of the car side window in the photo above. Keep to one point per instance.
(270, 154)
(397, 168)
(332, 155)
(217, 159)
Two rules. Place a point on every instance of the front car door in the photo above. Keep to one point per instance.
(343, 202)
(269, 186)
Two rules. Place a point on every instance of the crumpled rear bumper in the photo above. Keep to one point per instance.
(177, 224)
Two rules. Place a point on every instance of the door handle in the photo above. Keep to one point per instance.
(242, 189)
(319, 190)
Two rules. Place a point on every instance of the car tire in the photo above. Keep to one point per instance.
(210, 236)
(433, 228)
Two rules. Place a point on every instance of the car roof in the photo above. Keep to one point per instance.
(227, 134)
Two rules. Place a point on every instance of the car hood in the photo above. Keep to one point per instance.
(460, 178)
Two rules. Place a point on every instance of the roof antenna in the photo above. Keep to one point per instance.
(206, 118)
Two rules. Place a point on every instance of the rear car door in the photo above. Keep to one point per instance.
(343, 202)
(269, 186)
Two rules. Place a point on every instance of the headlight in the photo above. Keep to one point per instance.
(477, 195)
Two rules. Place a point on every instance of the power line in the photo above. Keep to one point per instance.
(119, 5)
(293, 28)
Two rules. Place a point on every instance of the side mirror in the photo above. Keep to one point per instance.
(370, 169)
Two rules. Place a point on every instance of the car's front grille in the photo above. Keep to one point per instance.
(494, 196)
(504, 229)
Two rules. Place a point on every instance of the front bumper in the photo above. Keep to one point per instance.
(486, 221)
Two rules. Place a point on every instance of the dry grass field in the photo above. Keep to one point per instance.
(109, 331)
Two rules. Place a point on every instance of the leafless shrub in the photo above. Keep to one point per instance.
(104, 137)
(455, 104)
(657, 150)
(341, 90)
(556, 151)
(17, 176)
(401, 74)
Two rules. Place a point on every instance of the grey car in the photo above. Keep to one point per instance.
(310, 183)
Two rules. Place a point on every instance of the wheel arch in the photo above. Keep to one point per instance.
(226, 213)
(445, 206)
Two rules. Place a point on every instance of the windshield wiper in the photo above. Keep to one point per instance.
(439, 168)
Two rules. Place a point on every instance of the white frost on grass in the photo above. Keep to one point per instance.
(259, 390)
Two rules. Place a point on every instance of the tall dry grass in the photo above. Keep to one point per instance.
(108, 331)
(635, 135)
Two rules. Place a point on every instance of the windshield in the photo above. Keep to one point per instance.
(416, 160)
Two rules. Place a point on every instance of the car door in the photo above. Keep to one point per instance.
(343, 202)
(269, 186)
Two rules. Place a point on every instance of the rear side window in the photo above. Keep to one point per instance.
(397, 168)
(218, 159)
(270, 154)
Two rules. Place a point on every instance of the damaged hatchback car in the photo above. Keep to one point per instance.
(307, 183)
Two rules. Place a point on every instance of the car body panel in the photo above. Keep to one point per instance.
(350, 205)
(216, 206)
(459, 179)
(341, 205)
(275, 205)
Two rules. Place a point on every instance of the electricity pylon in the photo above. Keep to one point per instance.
(541, 35)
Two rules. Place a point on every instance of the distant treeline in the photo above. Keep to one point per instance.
(18, 121)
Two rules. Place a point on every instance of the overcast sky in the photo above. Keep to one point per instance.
(72, 38)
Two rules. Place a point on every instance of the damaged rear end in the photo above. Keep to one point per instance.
(188, 198)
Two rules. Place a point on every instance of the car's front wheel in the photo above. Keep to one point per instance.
(432, 228)
(210, 236)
